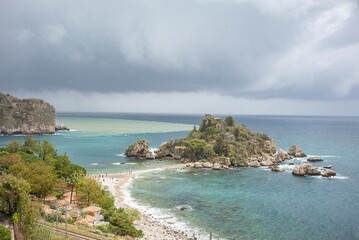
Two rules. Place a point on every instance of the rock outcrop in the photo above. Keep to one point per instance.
(140, 149)
(254, 164)
(207, 165)
(198, 165)
(296, 151)
(61, 127)
(308, 169)
(171, 151)
(328, 173)
(312, 172)
(281, 156)
(266, 163)
(302, 169)
(26, 116)
(214, 166)
(299, 171)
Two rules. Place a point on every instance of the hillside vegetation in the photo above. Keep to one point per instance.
(26, 116)
(33, 171)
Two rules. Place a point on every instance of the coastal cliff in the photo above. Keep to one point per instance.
(26, 116)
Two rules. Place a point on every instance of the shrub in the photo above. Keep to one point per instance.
(229, 121)
(5, 233)
(121, 223)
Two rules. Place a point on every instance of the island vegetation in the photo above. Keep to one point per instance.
(219, 144)
(33, 175)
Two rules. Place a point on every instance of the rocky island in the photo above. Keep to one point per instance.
(26, 116)
(218, 144)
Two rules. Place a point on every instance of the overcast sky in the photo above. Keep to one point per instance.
(296, 57)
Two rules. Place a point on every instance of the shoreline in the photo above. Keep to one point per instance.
(155, 223)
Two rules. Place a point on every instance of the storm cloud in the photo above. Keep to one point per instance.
(260, 49)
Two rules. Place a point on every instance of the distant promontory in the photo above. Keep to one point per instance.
(26, 116)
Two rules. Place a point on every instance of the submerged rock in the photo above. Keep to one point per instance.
(277, 169)
(184, 207)
(296, 151)
(314, 159)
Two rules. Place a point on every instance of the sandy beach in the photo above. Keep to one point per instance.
(154, 226)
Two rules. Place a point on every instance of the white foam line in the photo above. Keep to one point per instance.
(120, 155)
(322, 156)
(117, 163)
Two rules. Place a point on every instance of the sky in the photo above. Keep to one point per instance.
(276, 57)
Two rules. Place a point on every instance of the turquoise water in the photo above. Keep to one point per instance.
(244, 203)
(101, 152)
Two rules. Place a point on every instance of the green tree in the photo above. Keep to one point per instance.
(198, 149)
(8, 160)
(61, 165)
(41, 178)
(15, 201)
(74, 177)
(229, 120)
(106, 201)
(121, 223)
(30, 145)
(89, 191)
(18, 169)
(14, 146)
(46, 151)
(13, 193)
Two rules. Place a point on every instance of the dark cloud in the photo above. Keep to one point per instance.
(300, 49)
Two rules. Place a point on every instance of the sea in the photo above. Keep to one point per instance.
(240, 203)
